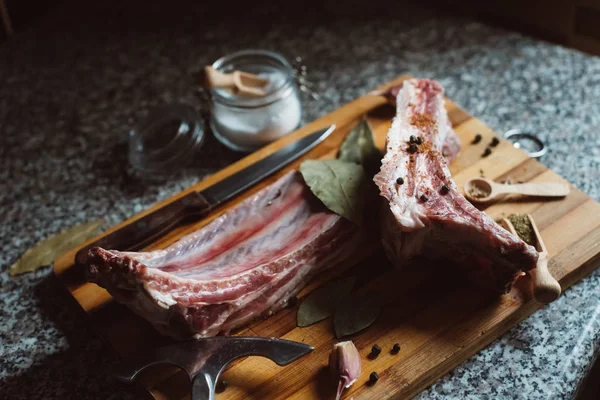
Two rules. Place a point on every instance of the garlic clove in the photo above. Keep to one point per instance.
(345, 365)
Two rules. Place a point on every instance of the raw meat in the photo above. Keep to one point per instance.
(245, 264)
(426, 214)
(451, 147)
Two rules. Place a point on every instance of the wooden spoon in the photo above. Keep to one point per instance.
(244, 83)
(546, 289)
(481, 190)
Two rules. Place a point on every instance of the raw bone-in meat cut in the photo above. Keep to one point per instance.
(245, 264)
(451, 146)
(425, 213)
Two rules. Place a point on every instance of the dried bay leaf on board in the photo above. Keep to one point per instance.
(322, 302)
(359, 147)
(355, 314)
(340, 185)
(44, 252)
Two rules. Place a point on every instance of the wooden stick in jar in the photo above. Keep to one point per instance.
(244, 83)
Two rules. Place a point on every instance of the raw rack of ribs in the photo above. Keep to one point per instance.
(424, 212)
(245, 264)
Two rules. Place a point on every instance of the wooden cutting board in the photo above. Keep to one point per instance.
(438, 320)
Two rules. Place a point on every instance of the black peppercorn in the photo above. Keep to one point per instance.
(375, 351)
(495, 142)
(477, 139)
(487, 152)
(445, 189)
(396, 349)
(399, 181)
(423, 198)
(374, 377)
(412, 139)
(221, 386)
(420, 140)
(413, 148)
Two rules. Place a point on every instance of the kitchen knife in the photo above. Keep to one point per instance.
(194, 205)
(205, 359)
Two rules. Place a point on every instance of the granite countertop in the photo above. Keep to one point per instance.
(73, 85)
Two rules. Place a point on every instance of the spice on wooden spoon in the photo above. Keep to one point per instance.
(546, 289)
(481, 190)
(523, 228)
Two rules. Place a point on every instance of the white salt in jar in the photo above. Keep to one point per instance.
(245, 123)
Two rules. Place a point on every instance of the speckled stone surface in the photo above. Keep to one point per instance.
(73, 85)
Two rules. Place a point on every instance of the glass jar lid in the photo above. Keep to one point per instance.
(166, 140)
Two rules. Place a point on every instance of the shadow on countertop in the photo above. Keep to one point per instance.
(65, 374)
(590, 387)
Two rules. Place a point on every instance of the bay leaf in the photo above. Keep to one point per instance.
(355, 314)
(359, 147)
(340, 185)
(44, 252)
(322, 302)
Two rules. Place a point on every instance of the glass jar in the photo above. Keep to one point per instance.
(245, 123)
(166, 140)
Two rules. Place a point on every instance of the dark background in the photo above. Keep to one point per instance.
(572, 23)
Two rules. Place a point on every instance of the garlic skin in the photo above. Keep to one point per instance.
(345, 365)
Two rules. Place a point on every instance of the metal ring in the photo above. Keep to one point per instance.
(514, 135)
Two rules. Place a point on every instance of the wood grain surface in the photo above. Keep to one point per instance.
(438, 320)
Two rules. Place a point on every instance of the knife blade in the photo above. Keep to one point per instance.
(238, 182)
(195, 205)
(205, 359)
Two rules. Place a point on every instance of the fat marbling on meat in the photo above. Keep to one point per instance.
(426, 214)
(243, 265)
(451, 142)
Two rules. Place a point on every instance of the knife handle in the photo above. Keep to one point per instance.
(150, 227)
